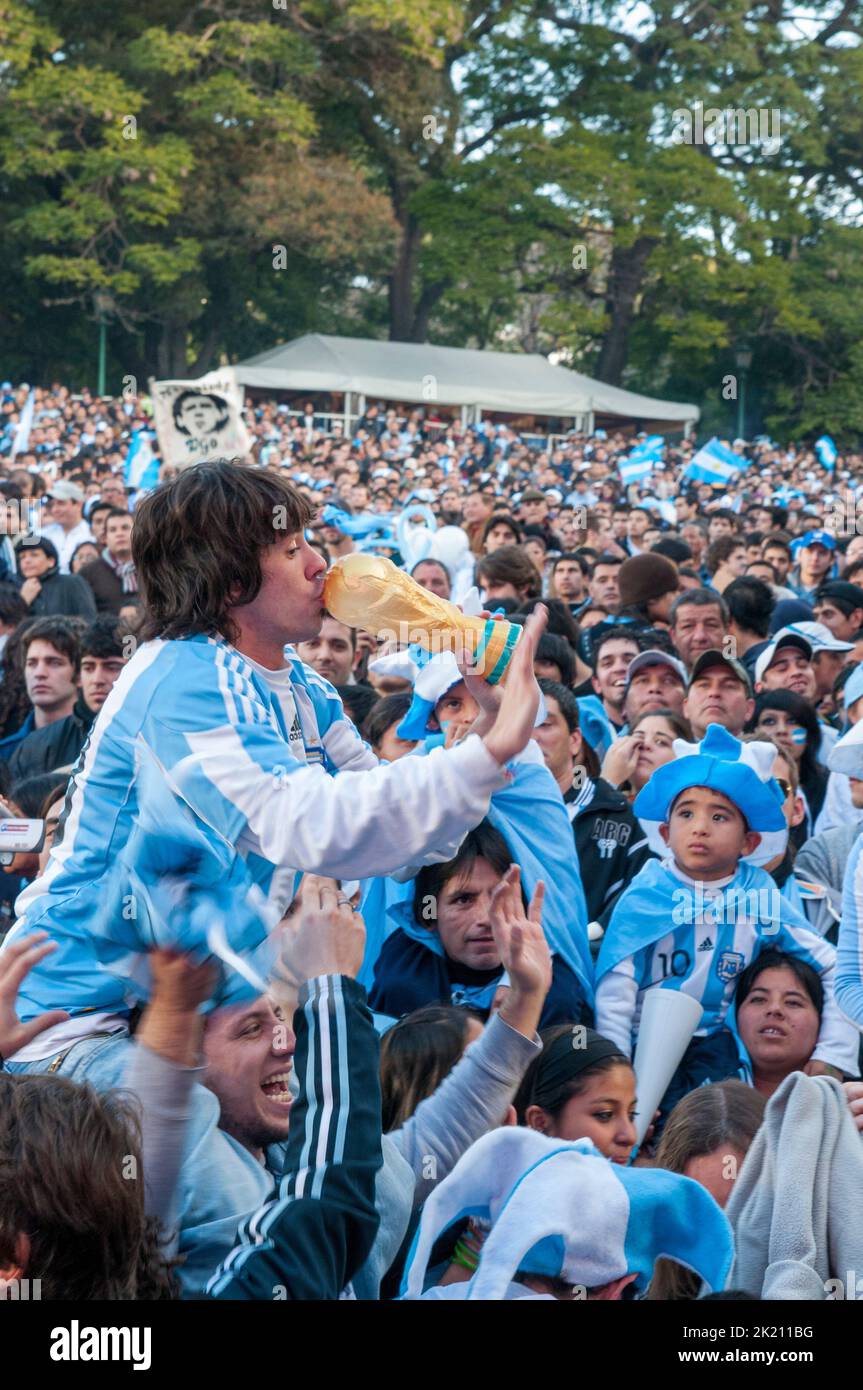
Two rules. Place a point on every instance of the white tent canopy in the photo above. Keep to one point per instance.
(519, 383)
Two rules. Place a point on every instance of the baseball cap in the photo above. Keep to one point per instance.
(715, 657)
(66, 492)
(786, 637)
(653, 657)
(825, 538)
(821, 638)
(842, 592)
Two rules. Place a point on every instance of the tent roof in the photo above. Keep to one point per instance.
(522, 383)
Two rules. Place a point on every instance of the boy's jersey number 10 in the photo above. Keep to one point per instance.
(676, 964)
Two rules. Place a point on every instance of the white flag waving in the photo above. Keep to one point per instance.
(200, 420)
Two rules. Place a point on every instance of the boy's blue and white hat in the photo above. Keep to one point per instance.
(740, 771)
(562, 1210)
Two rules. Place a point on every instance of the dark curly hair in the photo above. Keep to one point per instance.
(198, 540)
(71, 1180)
(14, 701)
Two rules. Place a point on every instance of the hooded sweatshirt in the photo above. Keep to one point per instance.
(413, 970)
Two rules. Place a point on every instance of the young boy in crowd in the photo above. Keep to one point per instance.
(694, 920)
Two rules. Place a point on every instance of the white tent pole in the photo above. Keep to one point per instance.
(464, 417)
(347, 414)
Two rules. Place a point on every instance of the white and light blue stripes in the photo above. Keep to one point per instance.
(714, 463)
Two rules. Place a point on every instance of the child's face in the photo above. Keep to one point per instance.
(604, 1111)
(457, 706)
(707, 834)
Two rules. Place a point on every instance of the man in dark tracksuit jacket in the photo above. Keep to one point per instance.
(316, 1233)
(54, 748)
(609, 840)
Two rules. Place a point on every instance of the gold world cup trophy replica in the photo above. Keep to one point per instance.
(368, 591)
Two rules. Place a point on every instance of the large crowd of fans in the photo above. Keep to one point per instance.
(473, 897)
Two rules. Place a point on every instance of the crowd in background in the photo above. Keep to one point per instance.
(725, 617)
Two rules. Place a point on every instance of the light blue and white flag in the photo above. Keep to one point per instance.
(141, 469)
(642, 459)
(634, 469)
(651, 447)
(21, 442)
(826, 451)
(714, 463)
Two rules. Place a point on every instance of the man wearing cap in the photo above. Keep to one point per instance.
(815, 558)
(654, 681)
(719, 693)
(786, 664)
(67, 527)
(839, 606)
(829, 655)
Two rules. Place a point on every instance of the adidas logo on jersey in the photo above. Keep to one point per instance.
(706, 945)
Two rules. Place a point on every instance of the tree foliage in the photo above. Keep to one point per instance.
(504, 173)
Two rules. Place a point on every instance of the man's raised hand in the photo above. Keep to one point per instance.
(16, 961)
(514, 723)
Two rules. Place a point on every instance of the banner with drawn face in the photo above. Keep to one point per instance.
(200, 420)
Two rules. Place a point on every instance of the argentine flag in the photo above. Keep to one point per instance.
(652, 447)
(826, 451)
(141, 469)
(714, 463)
(634, 469)
(641, 461)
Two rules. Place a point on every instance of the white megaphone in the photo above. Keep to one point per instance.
(668, 1020)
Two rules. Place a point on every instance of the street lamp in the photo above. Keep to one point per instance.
(742, 361)
(103, 304)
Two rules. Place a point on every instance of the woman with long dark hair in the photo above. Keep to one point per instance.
(790, 721)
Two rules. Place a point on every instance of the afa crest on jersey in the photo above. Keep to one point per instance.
(729, 965)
